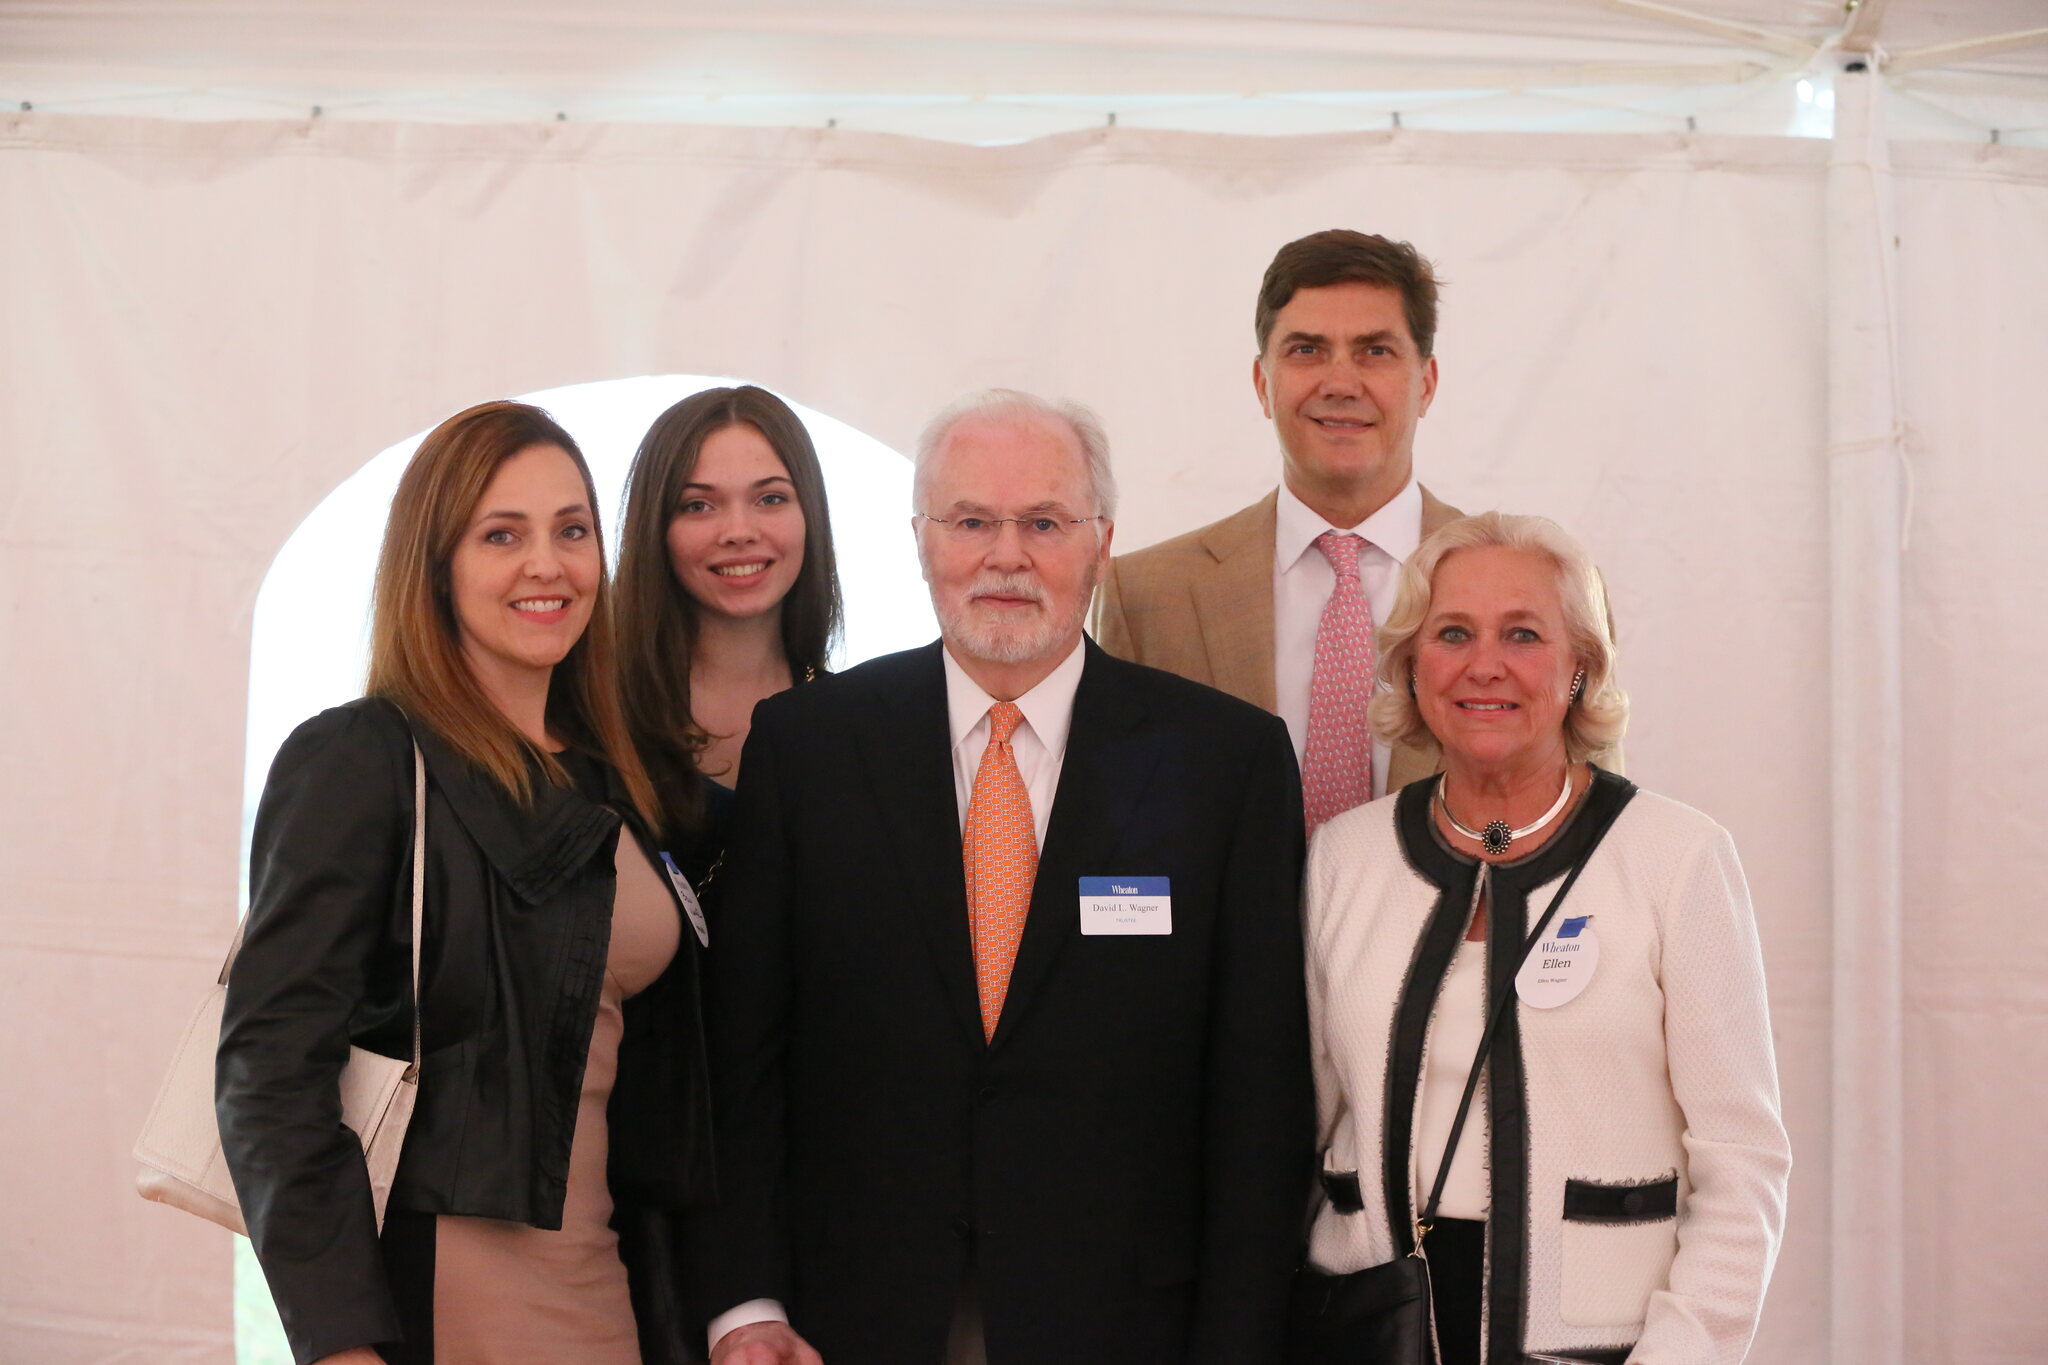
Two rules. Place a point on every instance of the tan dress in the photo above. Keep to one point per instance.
(509, 1294)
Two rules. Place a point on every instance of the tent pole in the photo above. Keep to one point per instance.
(1727, 30)
(1865, 569)
(1970, 50)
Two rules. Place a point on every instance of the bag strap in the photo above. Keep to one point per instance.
(419, 894)
(419, 902)
(1494, 1014)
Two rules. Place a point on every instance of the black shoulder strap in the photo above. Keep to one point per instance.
(1499, 1007)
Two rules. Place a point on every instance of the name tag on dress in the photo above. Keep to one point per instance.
(1560, 965)
(1126, 905)
(687, 894)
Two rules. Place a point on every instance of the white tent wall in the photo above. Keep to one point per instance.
(1971, 225)
(208, 326)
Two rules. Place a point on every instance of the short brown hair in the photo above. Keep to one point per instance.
(415, 643)
(1341, 256)
(658, 619)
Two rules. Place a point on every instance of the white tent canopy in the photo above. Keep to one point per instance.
(970, 70)
(1785, 387)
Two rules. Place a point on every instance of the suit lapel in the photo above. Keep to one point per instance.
(1234, 603)
(1436, 513)
(1102, 780)
(909, 757)
(1408, 763)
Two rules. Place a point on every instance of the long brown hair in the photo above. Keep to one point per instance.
(658, 618)
(415, 642)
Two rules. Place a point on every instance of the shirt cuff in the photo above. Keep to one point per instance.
(746, 1315)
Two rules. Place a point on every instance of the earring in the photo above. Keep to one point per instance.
(1578, 682)
(1411, 682)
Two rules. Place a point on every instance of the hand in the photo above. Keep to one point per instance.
(764, 1343)
(358, 1355)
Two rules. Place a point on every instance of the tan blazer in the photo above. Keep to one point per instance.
(1201, 605)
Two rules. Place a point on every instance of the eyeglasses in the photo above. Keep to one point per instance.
(1042, 529)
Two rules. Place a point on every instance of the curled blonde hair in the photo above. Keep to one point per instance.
(1593, 725)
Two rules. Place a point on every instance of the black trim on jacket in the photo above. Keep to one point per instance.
(1507, 1115)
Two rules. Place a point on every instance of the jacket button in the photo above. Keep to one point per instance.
(1632, 1202)
(988, 1093)
(960, 1227)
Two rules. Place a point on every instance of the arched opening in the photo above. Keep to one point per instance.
(310, 640)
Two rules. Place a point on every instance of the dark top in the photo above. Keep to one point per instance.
(518, 921)
(1124, 1165)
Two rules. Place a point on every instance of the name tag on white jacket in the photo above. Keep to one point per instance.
(1126, 905)
(1560, 965)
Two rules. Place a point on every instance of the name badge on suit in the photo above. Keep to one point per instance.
(1126, 905)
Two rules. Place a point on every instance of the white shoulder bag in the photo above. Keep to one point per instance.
(180, 1144)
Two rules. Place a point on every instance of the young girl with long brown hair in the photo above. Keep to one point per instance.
(728, 587)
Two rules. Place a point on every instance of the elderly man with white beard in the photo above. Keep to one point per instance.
(1006, 1004)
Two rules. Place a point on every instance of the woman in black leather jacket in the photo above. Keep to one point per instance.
(561, 1125)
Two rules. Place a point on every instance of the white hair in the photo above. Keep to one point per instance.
(1016, 406)
(1594, 723)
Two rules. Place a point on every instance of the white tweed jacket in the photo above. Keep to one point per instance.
(1635, 1155)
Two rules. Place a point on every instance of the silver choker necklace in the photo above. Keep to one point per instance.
(1497, 838)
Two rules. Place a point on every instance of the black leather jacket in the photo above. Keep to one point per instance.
(518, 923)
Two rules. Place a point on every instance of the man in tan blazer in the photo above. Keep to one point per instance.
(1346, 325)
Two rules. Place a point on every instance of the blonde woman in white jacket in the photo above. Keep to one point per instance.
(1617, 1190)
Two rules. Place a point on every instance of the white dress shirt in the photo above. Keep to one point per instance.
(1040, 747)
(1455, 1030)
(1040, 743)
(1302, 583)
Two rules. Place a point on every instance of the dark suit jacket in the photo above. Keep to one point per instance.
(1124, 1164)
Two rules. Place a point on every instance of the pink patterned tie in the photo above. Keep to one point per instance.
(1337, 760)
(1000, 848)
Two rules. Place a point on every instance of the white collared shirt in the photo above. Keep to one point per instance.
(1040, 747)
(1040, 743)
(1302, 583)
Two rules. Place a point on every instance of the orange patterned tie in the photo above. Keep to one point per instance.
(1000, 847)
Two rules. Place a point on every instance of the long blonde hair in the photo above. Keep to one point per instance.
(415, 645)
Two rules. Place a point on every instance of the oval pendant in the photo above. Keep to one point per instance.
(1496, 837)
